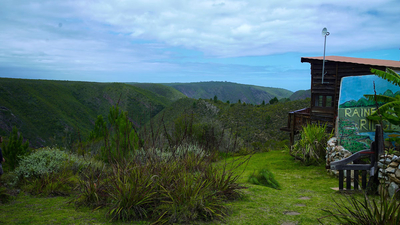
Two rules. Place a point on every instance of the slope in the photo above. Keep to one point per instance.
(49, 112)
(232, 92)
(162, 90)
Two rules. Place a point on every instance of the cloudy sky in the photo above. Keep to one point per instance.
(243, 41)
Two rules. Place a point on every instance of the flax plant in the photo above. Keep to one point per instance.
(310, 149)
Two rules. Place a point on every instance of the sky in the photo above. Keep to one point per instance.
(165, 41)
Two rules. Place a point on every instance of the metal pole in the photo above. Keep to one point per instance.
(323, 62)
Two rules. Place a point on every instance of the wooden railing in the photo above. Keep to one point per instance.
(374, 152)
(296, 120)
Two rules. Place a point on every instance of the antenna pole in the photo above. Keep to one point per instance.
(323, 62)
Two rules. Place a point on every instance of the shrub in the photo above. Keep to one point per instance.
(93, 188)
(264, 177)
(60, 183)
(51, 171)
(5, 197)
(176, 186)
(15, 148)
(50, 160)
(365, 211)
(310, 149)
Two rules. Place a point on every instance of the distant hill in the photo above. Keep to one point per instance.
(160, 89)
(301, 94)
(232, 92)
(46, 111)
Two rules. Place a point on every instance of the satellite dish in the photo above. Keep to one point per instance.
(325, 32)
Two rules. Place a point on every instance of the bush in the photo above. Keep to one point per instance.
(310, 149)
(51, 171)
(366, 211)
(264, 177)
(50, 160)
(176, 186)
(15, 148)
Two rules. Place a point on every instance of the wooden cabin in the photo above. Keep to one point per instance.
(325, 95)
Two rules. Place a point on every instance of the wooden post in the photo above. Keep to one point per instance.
(378, 148)
(340, 179)
(355, 179)
(348, 179)
(364, 179)
(292, 128)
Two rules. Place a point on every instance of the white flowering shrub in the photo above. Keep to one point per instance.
(50, 160)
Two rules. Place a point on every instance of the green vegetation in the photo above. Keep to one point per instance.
(14, 148)
(227, 91)
(310, 149)
(264, 177)
(243, 128)
(301, 94)
(273, 101)
(59, 112)
(163, 90)
(168, 162)
(352, 210)
(304, 189)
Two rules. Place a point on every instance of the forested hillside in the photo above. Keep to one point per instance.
(250, 125)
(301, 94)
(232, 92)
(51, 112)
(160, 89)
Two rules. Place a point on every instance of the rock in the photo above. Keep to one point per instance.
(339, 148)
(346, 155)
(392, 188)
(397, 173)
(381, 165)
(394, 179)
(390, 170)
(393, 164)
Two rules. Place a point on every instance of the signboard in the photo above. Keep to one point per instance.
(355, 131)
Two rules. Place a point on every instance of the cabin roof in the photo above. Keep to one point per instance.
(372, 62)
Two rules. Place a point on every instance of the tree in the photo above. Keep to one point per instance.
(273, 101)
(215, 99)
(15, 148)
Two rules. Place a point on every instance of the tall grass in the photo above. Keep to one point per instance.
(310, 149)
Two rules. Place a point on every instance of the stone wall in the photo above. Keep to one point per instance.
(389, 174)
(335, 153)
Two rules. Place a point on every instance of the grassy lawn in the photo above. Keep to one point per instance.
(305, 191)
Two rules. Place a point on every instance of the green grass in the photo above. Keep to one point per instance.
(264, 205)
(261, 205)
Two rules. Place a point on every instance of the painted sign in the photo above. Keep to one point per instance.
(355, 131)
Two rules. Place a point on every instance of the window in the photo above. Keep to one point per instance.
(323, 100)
